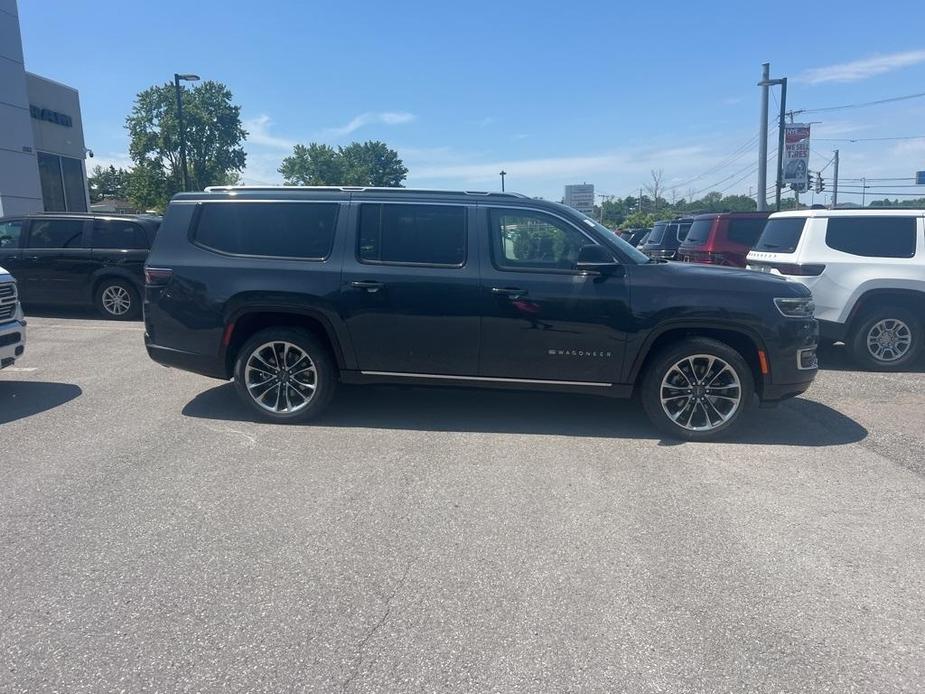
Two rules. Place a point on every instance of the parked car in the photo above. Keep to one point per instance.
(722, 238)
(291, 290)
(634, 236)
(866, 270)
(643, 239)
(79, 259)
(666, 237)
(12, 323)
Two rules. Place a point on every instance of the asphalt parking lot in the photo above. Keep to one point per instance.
(154, 537)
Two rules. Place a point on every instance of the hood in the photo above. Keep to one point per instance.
(4, 275)
(734, 279)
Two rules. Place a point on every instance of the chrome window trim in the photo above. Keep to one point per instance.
(451, 377)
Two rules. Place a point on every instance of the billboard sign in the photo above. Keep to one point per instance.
(920, 178)
(796, 156)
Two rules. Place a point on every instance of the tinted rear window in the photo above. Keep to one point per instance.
(271, 229)
(417, 234)
(699, 231)
(872, 237)
(117, 234)
(56, 233)
(683, 229)
(745, 231)
(658, 231)
(781, 235)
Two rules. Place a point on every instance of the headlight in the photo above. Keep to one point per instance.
(796, 308)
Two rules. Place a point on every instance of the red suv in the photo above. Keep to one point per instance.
(722, 239)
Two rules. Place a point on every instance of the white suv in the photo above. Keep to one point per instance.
(12, 324)
(866, 270)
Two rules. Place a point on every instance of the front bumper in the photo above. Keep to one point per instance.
(792, 360)
(12, 341)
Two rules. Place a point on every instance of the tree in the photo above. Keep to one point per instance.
(108, 183)
(213, 135)
(358, 164)
(655, 189)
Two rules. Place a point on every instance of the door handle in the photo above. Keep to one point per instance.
(513, 292)
(370, 286)
(33, 258)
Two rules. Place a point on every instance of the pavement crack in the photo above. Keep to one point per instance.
(361, 646)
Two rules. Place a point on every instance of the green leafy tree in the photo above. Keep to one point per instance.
(370, 163)
(108, 182)
(214, 138)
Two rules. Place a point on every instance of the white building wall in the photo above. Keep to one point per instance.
(20, 188)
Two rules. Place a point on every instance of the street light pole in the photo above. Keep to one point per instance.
(182, 128)
(502, 174)
(765, 82)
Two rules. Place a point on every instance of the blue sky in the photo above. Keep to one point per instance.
(553, 93)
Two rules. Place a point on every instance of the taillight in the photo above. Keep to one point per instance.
(157, 276)
(799, 270)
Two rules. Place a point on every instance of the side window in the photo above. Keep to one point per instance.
(56, 233)
(117, 234)
(303, 230)
(416, 234)
(746, 231)
(872, 237)
(10, 233)
(531, 240)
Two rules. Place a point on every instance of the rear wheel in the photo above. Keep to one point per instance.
(697, 389)
(887, 339)
(285, 375)
(117, 300)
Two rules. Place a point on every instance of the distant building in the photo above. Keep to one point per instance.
(581, 197)
(41, 135)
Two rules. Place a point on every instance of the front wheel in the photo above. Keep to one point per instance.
(887, 339)
(697, 389)
(285, 375)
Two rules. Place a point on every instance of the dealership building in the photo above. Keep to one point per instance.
(42, 149)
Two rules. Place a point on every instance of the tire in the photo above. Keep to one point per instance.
(710, 412)
(886, 339)
(255, 366)
(117, 300)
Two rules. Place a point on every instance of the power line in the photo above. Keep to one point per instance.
(867, 139)
(734, 156)
(861, 105)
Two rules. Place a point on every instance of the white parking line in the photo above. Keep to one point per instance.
(20, 369)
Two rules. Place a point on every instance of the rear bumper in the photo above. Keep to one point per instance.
(187, 361)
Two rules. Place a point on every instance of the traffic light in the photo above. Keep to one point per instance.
(820, 184)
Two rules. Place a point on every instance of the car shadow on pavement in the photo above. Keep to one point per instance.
(21, 399)
(837, 358)
(797, 422)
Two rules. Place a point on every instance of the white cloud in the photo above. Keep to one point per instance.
(385, 118)
(258, 133)
(862, 69)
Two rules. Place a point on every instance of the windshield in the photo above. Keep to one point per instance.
(613, 240)
(699, 232)
(781, 235)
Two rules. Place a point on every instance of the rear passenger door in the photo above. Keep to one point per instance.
(119, 247)
(11, 237)
(55, 262)
(410, 288)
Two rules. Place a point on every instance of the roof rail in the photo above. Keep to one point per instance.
(360, 189)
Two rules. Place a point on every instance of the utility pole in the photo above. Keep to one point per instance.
(835, 184)
(763, 145)
(863, 191)
(502, 174)
(640, 199)
(763, 139)
(782, 126)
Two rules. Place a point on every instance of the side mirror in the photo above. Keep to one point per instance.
(594, 258)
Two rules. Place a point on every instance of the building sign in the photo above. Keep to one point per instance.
(920, 178)
(796, 156)
(46, 114)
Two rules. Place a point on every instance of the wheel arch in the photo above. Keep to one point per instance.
(743, 340)
(912, 299)
(247, 321)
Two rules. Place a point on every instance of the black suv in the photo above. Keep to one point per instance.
(79, 259)
(666, 237)
(290, 290)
